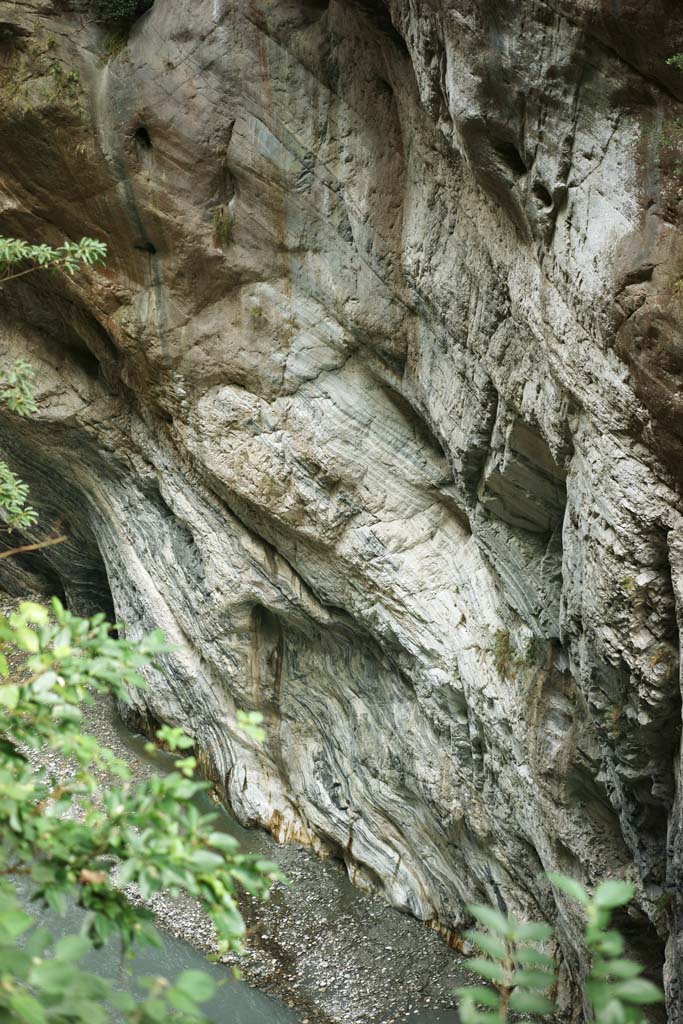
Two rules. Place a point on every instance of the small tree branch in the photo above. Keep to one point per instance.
(34, 547)
(22, 273)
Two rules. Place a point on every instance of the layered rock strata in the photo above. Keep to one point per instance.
(376, 411)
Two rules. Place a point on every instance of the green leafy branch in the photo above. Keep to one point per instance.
(66, 258)
(615, 988)
(78, 844)
(520, 975)
(14, 510)
(16, 380)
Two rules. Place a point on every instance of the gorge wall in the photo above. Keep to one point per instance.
(376, 411)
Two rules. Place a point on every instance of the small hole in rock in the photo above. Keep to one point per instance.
(509, 153)
(146, 247)
(142, 137)
(542, 194)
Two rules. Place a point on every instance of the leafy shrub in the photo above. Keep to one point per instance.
(520, 974)
(75, 843)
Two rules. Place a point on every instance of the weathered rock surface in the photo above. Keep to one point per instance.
(376, 412)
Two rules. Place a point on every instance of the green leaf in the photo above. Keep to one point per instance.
(52, 976)
(27, 640)
(123, 1001)
(609, 943)
(222, 841)
(532, 958)
(154, 1008)
(469, 1014)
(612, 1012)
(613, 893)
(486, 969)
(45, 682)
(598, 992)
(490, 944)
(229, 923)
(491, 918)
(534, 931)
(35, 613)
(638, 991)
(27, 1008)
(623, 969)
(204, 860)
(569, 886)
(533, 979)
(479, 994)
(15, 922)
(179, 1001)
(198, 985)
(9, 696)
(530, 1002)
(38, 941)
(72, 947)
(15, 961)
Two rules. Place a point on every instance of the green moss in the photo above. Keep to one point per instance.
(502, 650)
(113, 43)
(533, 649)
(222, 228)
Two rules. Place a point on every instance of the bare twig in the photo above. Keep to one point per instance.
(34, 547)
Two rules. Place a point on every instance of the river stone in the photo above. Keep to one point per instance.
(375, 411)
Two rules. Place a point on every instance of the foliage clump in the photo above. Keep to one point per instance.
(17, 253)
(521, 976)
(75, 844)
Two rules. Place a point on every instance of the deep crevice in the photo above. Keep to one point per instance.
(511, 157)
(142, 137)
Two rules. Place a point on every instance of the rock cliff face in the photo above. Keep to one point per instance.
(376, 412)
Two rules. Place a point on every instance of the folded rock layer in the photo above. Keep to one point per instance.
(375, 410)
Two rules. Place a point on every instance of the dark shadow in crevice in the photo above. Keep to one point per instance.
(423, 432)
(541, 193)
(379, 15)
(511, 157)
(142, 138)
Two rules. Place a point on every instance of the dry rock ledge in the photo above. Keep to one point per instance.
(376, 411)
